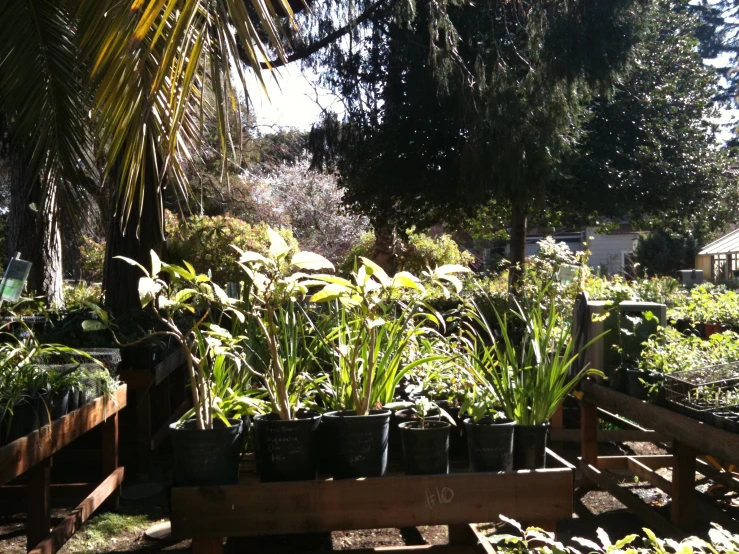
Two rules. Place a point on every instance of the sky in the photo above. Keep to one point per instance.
(292, 99)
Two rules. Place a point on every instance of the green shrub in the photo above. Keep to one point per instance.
(665, 253)
(415, 255)
(92, 260)
(669, 350)
(206, 241)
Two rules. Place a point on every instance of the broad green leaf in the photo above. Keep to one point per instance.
(510, 521)
(455, 282)
(129, 261)
(148, 289)
(278, 248)
(251, 257)
(330, 279)
(156, 264)
(184, 295)
(628, 539)
(93, 325)
(406, 280)
(329, 292)
(603, 537)
(377, 271)
(310, 260)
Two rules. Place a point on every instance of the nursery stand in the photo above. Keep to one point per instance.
(32, 454)
(689, 437)
(149, 392)
(209, 514)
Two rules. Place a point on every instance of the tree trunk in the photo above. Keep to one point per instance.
(34, 230)
(383, 253)
(519, 215)
(142, 233)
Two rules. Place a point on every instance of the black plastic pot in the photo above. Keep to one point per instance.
(25, 419)
(617, 379)
(530, 444)
(398, 417)
(490, 444)
(457, 436)
(206, 457)
(425, 450)
(634, 385)
(74, 400)
(358, 445)
(59, 404)
(286, 450)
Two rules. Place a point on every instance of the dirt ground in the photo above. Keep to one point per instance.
(143, 506)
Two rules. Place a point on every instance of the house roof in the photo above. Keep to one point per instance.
(724, 245)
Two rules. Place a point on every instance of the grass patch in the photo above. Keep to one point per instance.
(107, 531)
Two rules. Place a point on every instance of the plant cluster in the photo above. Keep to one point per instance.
(707, 303)
(534, 540)
(670, 350)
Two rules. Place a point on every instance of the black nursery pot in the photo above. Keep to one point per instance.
(634, 385)
(490, 444)
(59, 404)
(207, 457)
(397, 418)
(425, 450)
(25, 419)
(617, 379)
(530, 446)
(357, 445)
(286, 450)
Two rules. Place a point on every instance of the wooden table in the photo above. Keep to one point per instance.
(208, 514)
(32, 455)
(690, 438)
(149, 391)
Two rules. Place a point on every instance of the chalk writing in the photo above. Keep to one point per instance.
(438, 497)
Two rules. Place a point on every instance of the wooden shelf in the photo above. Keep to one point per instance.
(252, 509)
(670, 425)
(21, 455)
(32, 455)
(689, 437)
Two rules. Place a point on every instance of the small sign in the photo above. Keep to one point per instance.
(14, 279)
(567, 273)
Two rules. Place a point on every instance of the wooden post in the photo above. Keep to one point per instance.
(461, 534)
(39, 503)
(682, 512)
(558, 423)
(589, 434)
(207, 546)
(110, 455)
(143, 430)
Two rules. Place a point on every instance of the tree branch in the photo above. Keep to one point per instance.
(325, 41)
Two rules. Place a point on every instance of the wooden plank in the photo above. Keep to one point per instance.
(649, 475)
(588, 434)
(682, 511)
(136, 379)
(704, 438)
(110, 455)
(18, 493)
(163, 431)
(143, 431)
(618, 421)
(207, 546)
(19, 456)
(38, 503)
(168, 365)
(634, 503)
(606, 435)
(729, 480)
(422, 549)
(622, 462)
(70, 524)
(315, 506)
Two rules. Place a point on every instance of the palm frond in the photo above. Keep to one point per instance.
(43, 94)
(152, 61)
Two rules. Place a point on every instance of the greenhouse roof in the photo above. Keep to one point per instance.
(724, 245)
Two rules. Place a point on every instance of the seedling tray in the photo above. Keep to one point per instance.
(704, 389)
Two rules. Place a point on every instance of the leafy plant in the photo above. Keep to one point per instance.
(529, 374)
(377, 320)
(422, 408)
(272, 292)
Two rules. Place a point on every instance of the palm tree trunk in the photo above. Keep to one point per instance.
(383, 253)
(141, 234)
(34, 230)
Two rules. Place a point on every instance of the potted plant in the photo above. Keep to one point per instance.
(278, 350)
(425, 439)
(207, 445)
(528, 378)
(376, 319)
